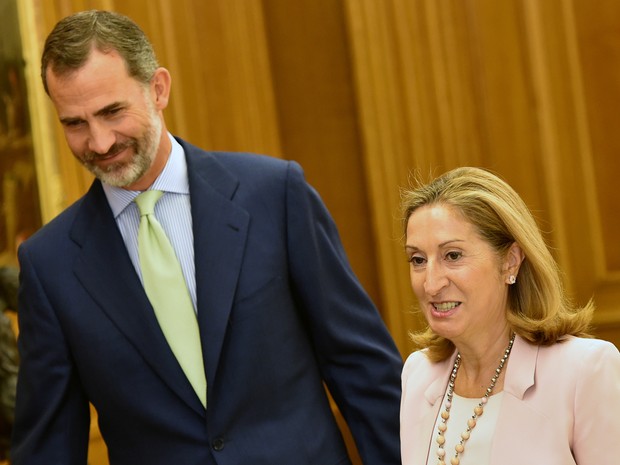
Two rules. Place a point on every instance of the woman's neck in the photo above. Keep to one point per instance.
(479, 362)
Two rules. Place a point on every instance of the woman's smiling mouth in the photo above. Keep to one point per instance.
(445, 306)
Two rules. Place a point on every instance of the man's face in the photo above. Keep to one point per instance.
(112, 122)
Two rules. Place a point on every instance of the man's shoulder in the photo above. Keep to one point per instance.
(234, 160)
(249, 162)
(63, 220)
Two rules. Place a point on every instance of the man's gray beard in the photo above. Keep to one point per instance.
(123, 174)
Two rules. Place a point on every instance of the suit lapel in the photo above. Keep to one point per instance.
(220, 230)
(106, 272)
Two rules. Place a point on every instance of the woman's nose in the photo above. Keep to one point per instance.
(435, 279)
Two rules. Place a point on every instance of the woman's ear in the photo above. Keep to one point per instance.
(160, 88)
(512, 263)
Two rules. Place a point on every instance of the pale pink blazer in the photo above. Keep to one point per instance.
(561, 405)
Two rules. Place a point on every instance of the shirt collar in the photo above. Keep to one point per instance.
(173, 178)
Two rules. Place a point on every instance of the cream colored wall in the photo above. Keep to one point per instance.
(365, 92)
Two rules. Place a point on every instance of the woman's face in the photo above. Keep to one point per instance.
(459, 280)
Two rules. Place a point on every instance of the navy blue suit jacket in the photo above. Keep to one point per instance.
(280, 312)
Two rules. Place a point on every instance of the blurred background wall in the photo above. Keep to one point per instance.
(366, 93)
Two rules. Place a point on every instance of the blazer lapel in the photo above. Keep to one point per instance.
(434, 395)
(520, 376)
(105, 270)
(220, 231)
(521, 368)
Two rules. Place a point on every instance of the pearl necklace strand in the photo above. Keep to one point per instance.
(478, 410)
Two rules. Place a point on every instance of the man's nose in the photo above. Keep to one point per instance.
(101, 138)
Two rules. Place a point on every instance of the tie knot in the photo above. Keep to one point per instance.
(146, 201)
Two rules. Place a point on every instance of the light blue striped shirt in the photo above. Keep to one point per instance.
(172, 211)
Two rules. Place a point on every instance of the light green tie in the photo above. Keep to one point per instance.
(166, 288)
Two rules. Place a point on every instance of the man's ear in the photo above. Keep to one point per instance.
(160, 88)
(512, 262)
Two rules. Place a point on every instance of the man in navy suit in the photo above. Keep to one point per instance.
(280, 313)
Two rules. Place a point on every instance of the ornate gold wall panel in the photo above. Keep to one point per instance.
(364, 93)
(494, 84)
(381, 89)
(598, 43)
(245, 78)
(222, 94)
(317, 117)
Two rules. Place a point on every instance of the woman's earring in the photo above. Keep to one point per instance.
(512, 279)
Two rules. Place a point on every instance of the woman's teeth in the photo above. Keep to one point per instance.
(445, 306)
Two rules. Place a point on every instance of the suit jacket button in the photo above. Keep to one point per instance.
(218, 444)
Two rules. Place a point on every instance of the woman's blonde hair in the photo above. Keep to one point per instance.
(538, 309)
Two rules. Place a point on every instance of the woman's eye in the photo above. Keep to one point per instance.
(453, 256)
(416, 260)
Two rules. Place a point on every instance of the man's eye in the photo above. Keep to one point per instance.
(72, 123)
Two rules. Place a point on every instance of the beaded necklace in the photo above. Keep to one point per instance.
(478, 410)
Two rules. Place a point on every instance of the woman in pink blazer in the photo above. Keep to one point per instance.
(507, 372)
